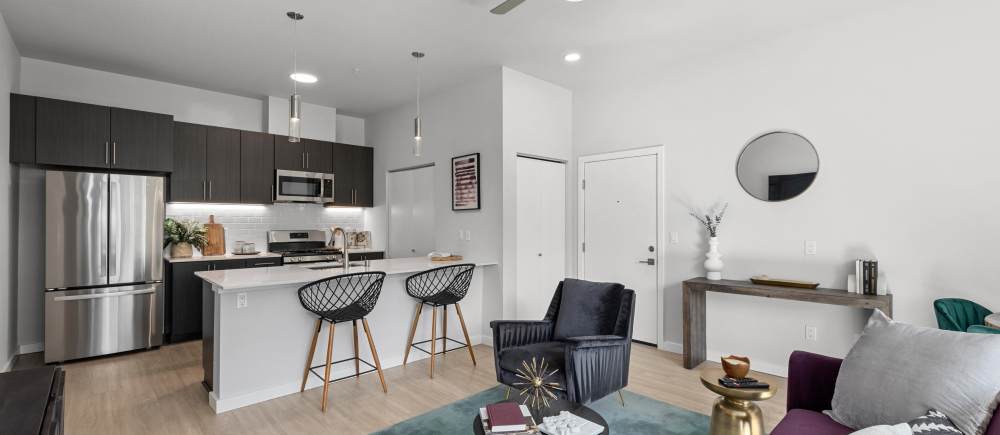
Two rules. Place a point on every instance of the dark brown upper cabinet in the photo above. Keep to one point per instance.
(188, 182)
(353, 177)
(307, 155)
(222, 164)
(289, 155)
(256, 168)
(22, 128)
(141, 141)
(72, 134)
(86, 135)
(319, 156)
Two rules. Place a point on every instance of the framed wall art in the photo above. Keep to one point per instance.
(465, 188)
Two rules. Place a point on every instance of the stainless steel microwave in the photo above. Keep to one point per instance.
(297, 186)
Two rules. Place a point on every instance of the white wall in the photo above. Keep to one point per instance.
(537, 120)
(317, 122)
(10, 68)
(901, 105)
(350, 130)
(67, 82)
(461, 120)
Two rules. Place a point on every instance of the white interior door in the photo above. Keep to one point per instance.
(410, 198)
(619, 227)
(541, 234)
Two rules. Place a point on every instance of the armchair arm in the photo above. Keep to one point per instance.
(596, 366)
(592, 341)
(513, 333)
(811, 381)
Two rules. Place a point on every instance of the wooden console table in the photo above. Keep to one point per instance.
(694, 306)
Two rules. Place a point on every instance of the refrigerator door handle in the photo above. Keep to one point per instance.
(103, 295)
(114, 227)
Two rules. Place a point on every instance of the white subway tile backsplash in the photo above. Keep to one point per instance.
(251, 223)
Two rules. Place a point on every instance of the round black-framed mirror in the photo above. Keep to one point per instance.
(777, 166)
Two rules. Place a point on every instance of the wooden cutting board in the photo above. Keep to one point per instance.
(216, 236)
(449, 258)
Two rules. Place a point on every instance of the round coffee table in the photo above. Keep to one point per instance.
(735, 413)
(556, 407)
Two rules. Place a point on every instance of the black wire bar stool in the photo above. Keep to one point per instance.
(440, 287)
(343, 298)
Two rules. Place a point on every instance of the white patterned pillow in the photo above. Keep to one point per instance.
(933, 423)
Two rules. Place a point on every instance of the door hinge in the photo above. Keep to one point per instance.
(584, 246)
(583, 184)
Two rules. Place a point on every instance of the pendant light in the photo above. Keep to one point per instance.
(295, 101)
(418, 137)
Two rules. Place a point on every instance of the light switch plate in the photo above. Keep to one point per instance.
(811, 247)
(674, 238)
(241, 300)
(812, 333)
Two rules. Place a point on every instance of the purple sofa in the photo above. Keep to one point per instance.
(811, 379)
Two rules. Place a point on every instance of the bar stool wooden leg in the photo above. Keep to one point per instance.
(312, 352)
(433, 337)
(465, 331)
(444, 329)
(378, 364)
(413, 331)
(326, 373)
(357, 363)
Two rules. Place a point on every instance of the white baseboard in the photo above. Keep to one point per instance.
(8, 365)
(30, 348)
(714, 355)
(672, 347)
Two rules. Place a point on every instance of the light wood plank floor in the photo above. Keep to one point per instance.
(160, 392)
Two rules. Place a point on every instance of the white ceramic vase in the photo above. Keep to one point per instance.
(713, 264)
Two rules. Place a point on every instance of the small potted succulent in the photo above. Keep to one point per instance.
(182, 235)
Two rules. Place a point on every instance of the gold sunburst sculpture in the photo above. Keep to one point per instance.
(537, 389)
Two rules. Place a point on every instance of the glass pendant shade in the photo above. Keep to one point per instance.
(418, 137)
(294, 118)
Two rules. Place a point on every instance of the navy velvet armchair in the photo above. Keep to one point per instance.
(586, 334)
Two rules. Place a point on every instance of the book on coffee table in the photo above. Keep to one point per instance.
(506, 423)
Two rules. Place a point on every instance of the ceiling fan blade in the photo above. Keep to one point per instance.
(506, 6)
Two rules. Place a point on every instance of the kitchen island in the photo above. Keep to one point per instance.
(257, 335)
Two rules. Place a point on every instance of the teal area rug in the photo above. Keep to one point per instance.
(640, 416)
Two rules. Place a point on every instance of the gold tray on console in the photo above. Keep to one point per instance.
(766, 280)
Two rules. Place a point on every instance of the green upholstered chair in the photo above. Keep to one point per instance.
(959, 314)
(983, 329)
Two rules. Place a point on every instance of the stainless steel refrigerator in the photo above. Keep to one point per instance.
(103, 263)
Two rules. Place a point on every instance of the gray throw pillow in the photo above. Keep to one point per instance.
(897, 371)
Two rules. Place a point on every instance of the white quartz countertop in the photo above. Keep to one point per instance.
(225, 281)
(227, 256)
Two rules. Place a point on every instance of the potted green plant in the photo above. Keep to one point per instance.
(182, 235)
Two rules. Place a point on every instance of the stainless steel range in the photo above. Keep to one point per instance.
(301, 246)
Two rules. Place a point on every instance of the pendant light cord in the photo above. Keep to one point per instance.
(418, 87)
(295, 54)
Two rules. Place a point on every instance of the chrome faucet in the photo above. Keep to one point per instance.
(343, 253)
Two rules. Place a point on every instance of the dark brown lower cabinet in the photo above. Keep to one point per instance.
(32, 401)
(185, 297)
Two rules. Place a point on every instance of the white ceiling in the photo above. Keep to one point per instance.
(244, 46)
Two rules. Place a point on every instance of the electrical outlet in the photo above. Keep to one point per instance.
(811, 247)
(241, 300)
(468, 235)
(461, 235)
(812, 333)
(674, 238)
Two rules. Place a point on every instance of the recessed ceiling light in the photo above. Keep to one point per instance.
(304, 77)
(572, 57)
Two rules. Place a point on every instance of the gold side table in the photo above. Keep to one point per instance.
(735, 413)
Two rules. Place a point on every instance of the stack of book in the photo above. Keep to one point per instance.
(866, 276)
(507, 418)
